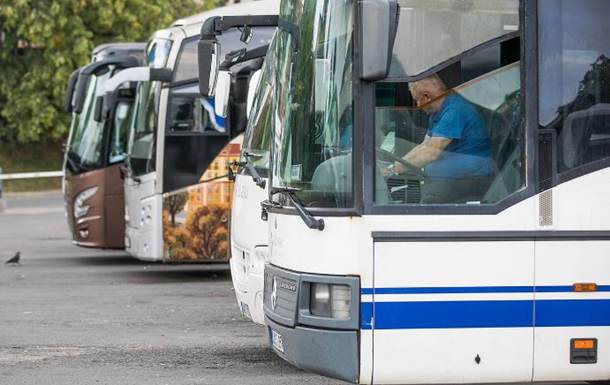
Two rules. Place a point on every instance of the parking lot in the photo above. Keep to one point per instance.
(70, 315)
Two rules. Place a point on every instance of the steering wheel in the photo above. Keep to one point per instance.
(412, 169)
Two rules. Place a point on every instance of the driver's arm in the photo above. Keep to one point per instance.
(428, 151)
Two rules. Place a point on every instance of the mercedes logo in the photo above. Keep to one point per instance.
(274, 293)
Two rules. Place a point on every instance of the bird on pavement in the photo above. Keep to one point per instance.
(15, 259)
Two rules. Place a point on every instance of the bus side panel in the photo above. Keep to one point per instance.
(563, 315)
(452, 312)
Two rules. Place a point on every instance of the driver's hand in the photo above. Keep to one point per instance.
(399, 168)
(387, 171)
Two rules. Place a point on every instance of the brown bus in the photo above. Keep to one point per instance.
(95, 152)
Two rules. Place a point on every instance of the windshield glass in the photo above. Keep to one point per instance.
(86, 142)
(120, 131)
(433, 31)
(142, 149)
(142, 143)
(313, 133)
(257, 140)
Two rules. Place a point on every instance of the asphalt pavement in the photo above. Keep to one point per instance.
(70, 315)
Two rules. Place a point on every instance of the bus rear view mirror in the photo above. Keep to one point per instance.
(223, 89)
(99, 106)
(209, 63)
(208, 57)
(70, 89)
(377, 37)
(246, 34)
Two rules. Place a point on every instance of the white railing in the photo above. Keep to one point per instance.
(29, 175)
(24, 175)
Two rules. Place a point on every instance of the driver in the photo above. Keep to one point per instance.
(456, 153)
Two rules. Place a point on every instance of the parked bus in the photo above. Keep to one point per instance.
(248, 232)
(94, 154)
(438, 202)
(180, 149)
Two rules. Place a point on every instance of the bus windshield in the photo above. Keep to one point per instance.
(257, 137)
(142, 141)
(86, 142)
(313, 134)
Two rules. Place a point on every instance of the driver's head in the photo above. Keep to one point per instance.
(426, 93)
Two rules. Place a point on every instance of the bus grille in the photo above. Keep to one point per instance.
(281, 295)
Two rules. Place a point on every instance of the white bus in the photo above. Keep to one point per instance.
(179, 142)
(248, 234)
(439, 191)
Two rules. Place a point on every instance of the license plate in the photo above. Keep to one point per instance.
(245, 310)
(276, 340)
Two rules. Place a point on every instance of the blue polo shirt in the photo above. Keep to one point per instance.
(469, 153)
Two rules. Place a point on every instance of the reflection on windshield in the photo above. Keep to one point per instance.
(313, 133)
(432, 31)
(85, 147)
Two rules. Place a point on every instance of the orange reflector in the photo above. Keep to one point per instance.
(584, 344)
(584, 287)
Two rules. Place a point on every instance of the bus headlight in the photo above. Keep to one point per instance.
(80, 208)
(332, 301)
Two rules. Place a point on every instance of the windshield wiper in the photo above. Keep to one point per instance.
(289, 192)
(260, 182)
(71, 165)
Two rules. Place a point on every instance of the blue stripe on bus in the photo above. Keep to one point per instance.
(474, 290)
(485, 314)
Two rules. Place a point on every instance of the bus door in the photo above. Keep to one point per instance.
(572, 334)
(444, 311)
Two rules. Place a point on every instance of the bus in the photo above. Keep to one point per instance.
(177, 194)
(248, 232)
(94, 154)
(438, 196)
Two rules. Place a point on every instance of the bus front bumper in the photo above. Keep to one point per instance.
(332, 353)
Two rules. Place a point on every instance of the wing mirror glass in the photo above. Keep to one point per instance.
(223, 89)
(209, 64)
(377, 36)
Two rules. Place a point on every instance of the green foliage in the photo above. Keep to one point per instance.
(42, 42)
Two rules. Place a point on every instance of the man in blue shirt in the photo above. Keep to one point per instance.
(456, 152)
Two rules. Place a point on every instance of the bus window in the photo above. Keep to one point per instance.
(477, 123)
(433, 31)
(575, 79)
(190, 112)
(120, 132)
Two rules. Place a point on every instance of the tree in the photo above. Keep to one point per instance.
(209, 228)
(42, 42)
(174, 204)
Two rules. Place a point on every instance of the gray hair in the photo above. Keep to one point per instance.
(431, 83)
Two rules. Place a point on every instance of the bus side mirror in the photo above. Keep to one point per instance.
(99, 106)
(208, 57)
(70, 89)
(377, 37)
(223, 89)
(209, 64)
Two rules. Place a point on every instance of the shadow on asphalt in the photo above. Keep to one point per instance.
(175, 274)
(107, 260)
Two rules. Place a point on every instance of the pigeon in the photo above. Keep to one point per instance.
(15, 259)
